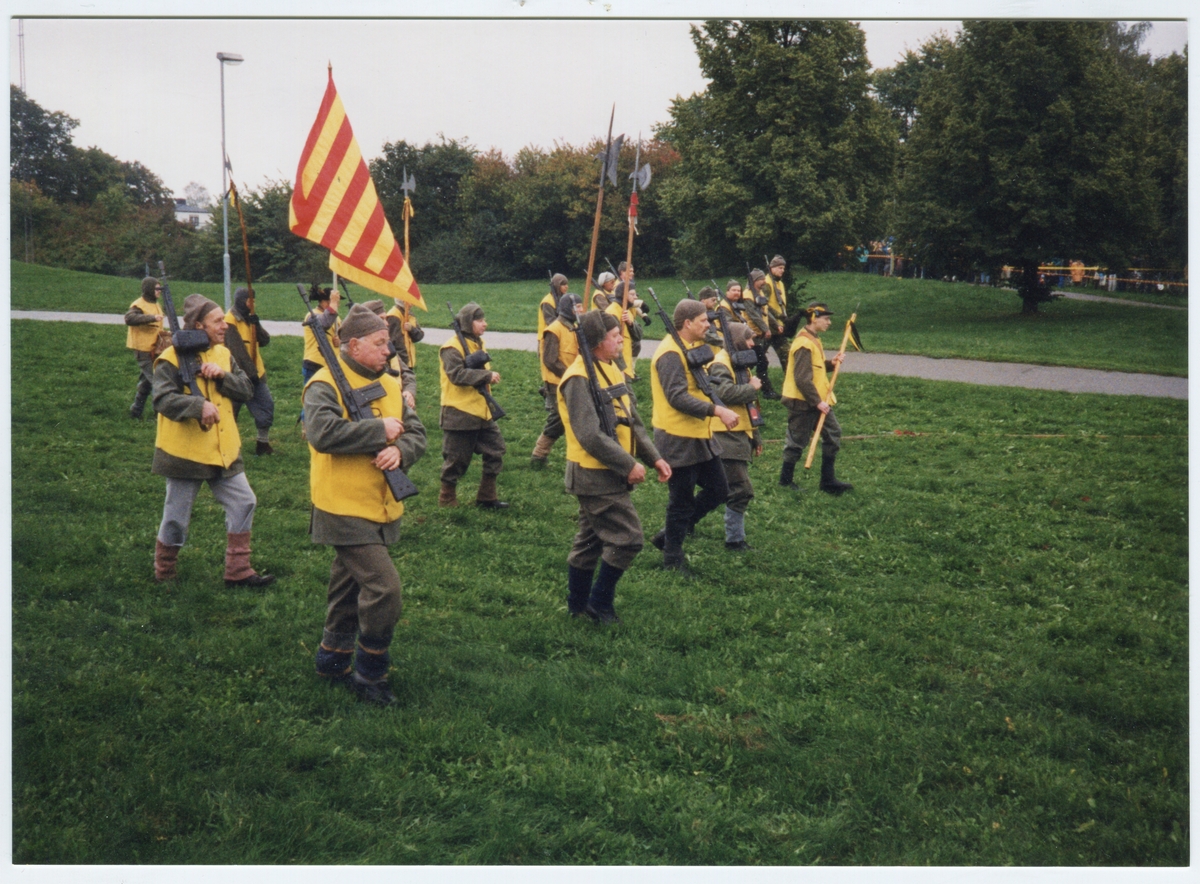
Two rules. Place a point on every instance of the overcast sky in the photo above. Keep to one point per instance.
(149, 89)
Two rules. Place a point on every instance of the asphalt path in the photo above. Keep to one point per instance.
(967, 371)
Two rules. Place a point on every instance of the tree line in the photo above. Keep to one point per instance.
(1014, 143)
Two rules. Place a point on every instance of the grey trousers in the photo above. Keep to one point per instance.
(553, 428)
(364, 596)
(801, 425)
(261, 406)
(741, 492)
(233, 494)
(609, 528)
(458, 446)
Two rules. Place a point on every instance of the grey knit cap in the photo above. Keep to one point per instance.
(778, 261)
(739, 332)
(148, 285)
(557, 280)
(566, 306)
(375, 307)
(756, 275)
(467, 315)
(707, 292)
(241, 300)
(596, 324)
(195, 308)
(360, 322)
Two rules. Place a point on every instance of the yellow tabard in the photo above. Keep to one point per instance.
(311, 352)
(607, 375)
(776, 294)
(410, 349)
(600, 293)
(547, 300)
(614, 309)
(218, 446)
(142, 337)
(350, 484)
(805, 346)
(246, 332)
(466, 399)
(743, 424)
(568, 348)
(667, 418)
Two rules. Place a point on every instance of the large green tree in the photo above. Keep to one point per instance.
(1029, 146)
(785, 150)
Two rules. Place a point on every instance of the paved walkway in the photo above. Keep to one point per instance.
(968, 371)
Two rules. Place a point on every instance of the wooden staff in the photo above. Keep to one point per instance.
(837, 366)
(237, 202)
(405, 318)
(600, 199)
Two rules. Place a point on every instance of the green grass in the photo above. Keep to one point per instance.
(920, 317)
(977, 657)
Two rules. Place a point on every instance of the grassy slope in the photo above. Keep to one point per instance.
(895, 315)
(977, 657)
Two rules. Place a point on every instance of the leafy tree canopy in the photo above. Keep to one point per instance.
(784, 151)
(1029, 146)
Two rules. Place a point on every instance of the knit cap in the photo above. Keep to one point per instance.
(596, 324)
(195, 308)
(360, 322)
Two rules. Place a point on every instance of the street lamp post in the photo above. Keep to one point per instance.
(225, 58)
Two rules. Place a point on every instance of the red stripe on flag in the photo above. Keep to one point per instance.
(315, 132)
(347, 207)
(369, 237)
(393, 265)
(310, 207)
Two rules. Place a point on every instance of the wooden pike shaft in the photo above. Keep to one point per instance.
(405, 308)
(246, 252)
(812, 448)
(599, 205)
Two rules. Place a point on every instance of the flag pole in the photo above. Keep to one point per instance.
(812, 448)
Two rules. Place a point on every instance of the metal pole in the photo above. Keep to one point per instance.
(224, 193)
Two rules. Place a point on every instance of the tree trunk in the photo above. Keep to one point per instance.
(1032, 290)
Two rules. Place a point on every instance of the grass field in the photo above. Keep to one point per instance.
(895, 315)
(978, 657)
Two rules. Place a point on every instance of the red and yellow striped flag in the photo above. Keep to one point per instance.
(335, 205)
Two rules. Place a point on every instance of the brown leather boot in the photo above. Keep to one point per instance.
(541, 450)
(486, 497)
(237, 563)
(448, 496)
(165, 557)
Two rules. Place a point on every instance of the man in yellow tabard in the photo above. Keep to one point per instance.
(548, 306)
(601, 472)
(683, 433)
(197, 441)
(353, 509)
(245, 339)
(468, 425)
(776, 310)
(806, 396)
(144, 320)
(558, 347)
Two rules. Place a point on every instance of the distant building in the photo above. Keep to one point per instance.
(194, 216)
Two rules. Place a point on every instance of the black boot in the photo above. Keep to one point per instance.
(579, 587)
(829, 482)
(600, 605)
(787, 476)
